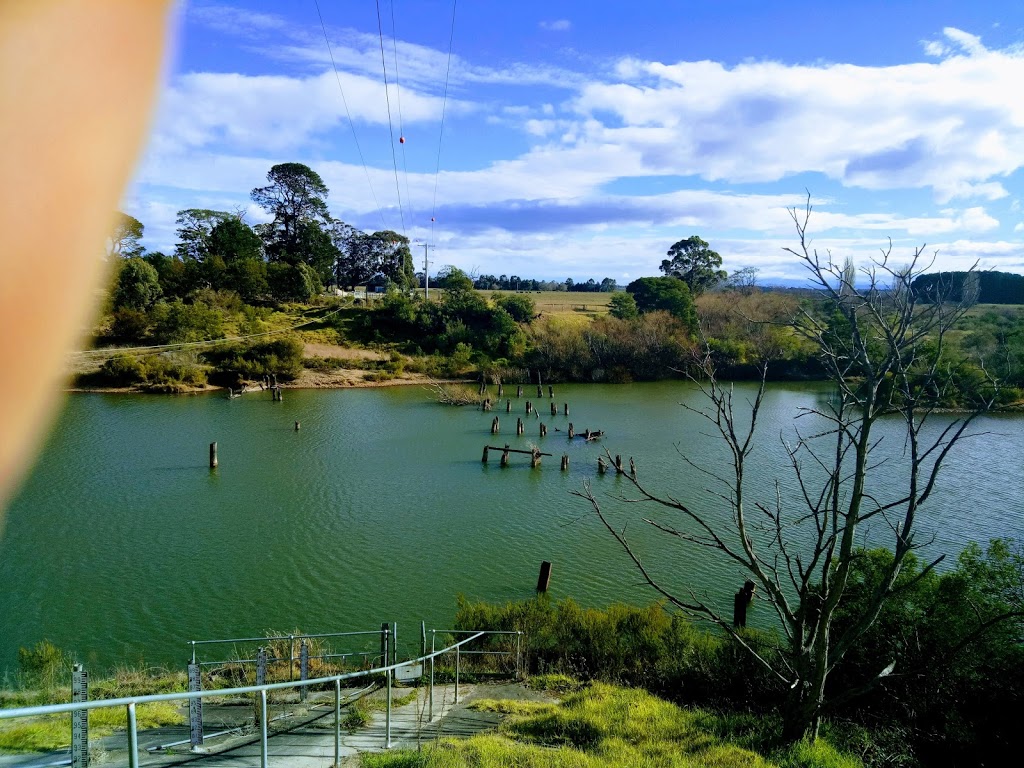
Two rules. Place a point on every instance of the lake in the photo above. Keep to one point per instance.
(123, 544)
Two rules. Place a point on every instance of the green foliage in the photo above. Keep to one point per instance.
(44, 665)
(293, 282)
(988, 287)
(692, 261)
(138, 285)
(452, 278)
(623, 306)
(669, 294)
(601, 726)
(281, 357)
(129, 325)
(175, 322)
(521, 308)
(124, 239)
(123, 371)
(169, 372)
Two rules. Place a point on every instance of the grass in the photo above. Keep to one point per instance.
(358, 714)
(54, 731)
(604, 725)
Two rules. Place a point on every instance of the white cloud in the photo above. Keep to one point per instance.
(558, 25)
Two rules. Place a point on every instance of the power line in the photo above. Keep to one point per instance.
(401, 125)
(444, 104)
(391, 127)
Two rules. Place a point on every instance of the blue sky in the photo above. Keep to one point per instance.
(582, 139)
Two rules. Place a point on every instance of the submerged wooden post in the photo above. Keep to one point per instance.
(297, 425)
(618, 463)
(565, 461)
(500, 390)
(529, 407)
(543, 430)
(544, 579)
(566, 407)
(495, 426)
(551, 391)
(535, 459)
(519, 391)
(519, 426)
(484, 459)
(554, 410)
(508, 405)
(632, 468)
(213, 455)
(504, 456)
(572, 432)
(601, 467)
(586, 435)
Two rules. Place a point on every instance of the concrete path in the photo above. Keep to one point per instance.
(305, 739)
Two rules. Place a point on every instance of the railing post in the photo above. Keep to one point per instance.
(303, 669)
(133, 738)
(387, 720)
(385, 630)
(337, 723)
(291, 658)
(195, 707)
(263, 730)
(430, 713)
(458, 653)
(79, 719)
(519, 668)
(423, 638)
(261, 666)
(394, 643)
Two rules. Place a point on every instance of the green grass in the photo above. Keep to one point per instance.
(604, 725)
(54, 731)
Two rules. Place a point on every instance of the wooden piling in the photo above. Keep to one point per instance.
(495, 426)
(618, 463)
(544, 579)
(213, 455)
(500, 389)
(565, 407)
(572, 432)
(529, 407)
(565, 462)
(508, 405)
(504, 456)
(601, 467)
(519, 426)
(586, 435)
(543, 430)
(535, 459)
(519, 391)
(484, 459)
(632, 468)
(297, 425)
(554, 410)
(540, 391)
(551, 391)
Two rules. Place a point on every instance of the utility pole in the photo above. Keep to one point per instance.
(426, 268)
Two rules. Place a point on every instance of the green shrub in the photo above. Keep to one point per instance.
(44, 665)
(280, 357)
(122, 371)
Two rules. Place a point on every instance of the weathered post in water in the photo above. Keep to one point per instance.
(484, 459)
(618, 464)
(529, 407)
(495, 426)
(565, 461)
(544, 579)
(572, 432)
(519, 391)
(554, 410)
(540, 391)
(565, 406)
(632, 468)
(297, 426)
(500, 390)
(504, 456)
(551, 391)
(508, 405)
(601, 467)
(543, 430)
(535, 459)
(586, 435)
(213, 455)
(519, 426)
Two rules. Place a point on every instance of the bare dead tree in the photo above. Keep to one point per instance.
(883, 351)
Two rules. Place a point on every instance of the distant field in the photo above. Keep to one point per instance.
(555, 302)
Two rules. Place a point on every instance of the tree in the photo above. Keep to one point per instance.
(623, 306)
(664, 293)
(884, 353)
(743, 280)
(693, 262)
(521, 308)
(195, 226)
(294, 196)
(138, 285)
(124, 239)
(454, 280)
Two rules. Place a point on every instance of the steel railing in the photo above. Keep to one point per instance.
(132, 702)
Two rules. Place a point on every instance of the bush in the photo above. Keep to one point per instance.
(279, 357)
(122, 371)
(44, 665)
(521, 308)
(176, 322)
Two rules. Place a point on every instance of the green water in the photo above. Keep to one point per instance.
(123, 544)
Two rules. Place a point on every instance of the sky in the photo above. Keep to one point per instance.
(582, 139)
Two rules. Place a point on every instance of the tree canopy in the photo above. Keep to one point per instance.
(665, 293)
(125, 238)
(693, 262)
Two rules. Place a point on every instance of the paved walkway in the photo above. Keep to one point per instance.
(304, 738)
